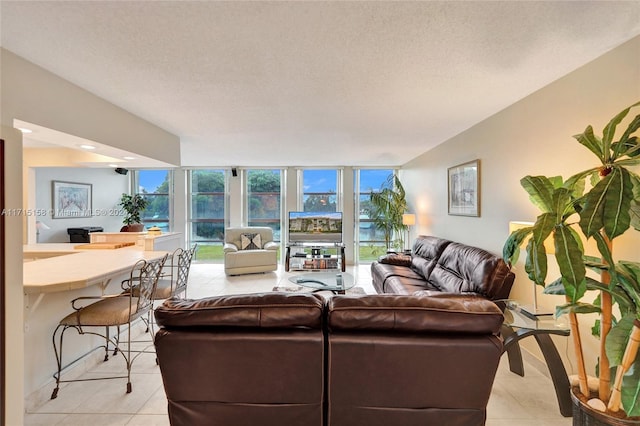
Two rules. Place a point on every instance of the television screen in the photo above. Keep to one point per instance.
(315, 227)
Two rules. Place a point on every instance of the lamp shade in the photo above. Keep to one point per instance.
(548, 243)
(41, 225)
(408, 219)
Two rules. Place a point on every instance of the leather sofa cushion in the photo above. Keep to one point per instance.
(249, 258)
(381, 272)
(262, 310)
(459, 315)
(425, 253)
(405, 285)
(467, 269)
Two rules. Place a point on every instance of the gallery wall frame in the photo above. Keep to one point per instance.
(71, 199)
(463, 191)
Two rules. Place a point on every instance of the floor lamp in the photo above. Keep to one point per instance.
(533, 310)
(408, 219)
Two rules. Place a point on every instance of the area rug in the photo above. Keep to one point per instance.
(299, 289)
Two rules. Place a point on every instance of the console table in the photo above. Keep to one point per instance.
(314, 257)
(516, 327)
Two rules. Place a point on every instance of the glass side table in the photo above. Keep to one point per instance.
(518, 325)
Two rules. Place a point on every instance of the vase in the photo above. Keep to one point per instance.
(583, 415)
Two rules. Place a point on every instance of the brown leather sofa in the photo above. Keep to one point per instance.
(296, 359)
(439, 266)
(243, 360)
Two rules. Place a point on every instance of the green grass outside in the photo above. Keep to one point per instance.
(213, 252)
(209, 252)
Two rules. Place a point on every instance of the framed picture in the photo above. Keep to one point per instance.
(464, 189)
(71, 199)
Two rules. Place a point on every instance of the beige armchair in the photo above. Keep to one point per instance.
(249, 250)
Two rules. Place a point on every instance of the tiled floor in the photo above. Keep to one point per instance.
(515, 400)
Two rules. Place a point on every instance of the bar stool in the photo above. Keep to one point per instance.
(173, 278)
(111, 311)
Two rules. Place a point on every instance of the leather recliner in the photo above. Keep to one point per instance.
(408, 360)
(298, 360)
(249, 261)
(254, 359)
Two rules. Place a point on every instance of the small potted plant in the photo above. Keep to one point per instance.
(600, 203)
(132, 205)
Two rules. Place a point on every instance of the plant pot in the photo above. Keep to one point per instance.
(134, 227)
(583, 415)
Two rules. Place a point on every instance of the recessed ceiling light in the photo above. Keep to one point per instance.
(87, 147)
(129, 158)
(25, 130)
(113, 165)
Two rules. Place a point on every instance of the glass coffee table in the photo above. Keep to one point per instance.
(336, 282)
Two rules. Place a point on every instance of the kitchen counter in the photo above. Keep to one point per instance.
(168, 241)
(68, 269)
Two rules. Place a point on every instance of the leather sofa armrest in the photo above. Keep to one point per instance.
(259, 310)
(415, 314)
(229, 248)
(396, 259)
(271, 245)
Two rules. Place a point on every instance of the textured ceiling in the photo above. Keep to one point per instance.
(313, 83)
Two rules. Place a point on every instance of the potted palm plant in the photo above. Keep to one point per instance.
(600, 203)
(386, 209)
(132, 205)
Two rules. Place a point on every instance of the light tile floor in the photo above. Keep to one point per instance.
(515, 400)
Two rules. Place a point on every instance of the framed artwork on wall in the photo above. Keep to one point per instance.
(71, 199)
(464, 189)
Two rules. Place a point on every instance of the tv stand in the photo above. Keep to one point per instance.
(314, 257)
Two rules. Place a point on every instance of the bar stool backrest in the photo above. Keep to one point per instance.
(145, 274)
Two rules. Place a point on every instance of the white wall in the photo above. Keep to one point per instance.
(107, 187)
(533, 136)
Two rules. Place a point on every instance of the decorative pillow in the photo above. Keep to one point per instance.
(396, 259)
(250, 242)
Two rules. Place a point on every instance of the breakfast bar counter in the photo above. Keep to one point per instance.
(80, 268)
(54, 275)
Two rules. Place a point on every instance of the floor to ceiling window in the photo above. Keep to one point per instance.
(264, 199)
(206, 212)
(369, 240)
(320, 190)
(157, 188)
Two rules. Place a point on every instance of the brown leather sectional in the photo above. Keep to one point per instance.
(441, 267)
(298, 359)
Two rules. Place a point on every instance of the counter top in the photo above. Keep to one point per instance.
(109, 236)
(78, 268)
(49, 249)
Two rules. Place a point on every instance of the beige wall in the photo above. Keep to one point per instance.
(533, 136)
(13, 278)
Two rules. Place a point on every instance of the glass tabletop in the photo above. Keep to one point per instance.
(515, 317)
(332, 281)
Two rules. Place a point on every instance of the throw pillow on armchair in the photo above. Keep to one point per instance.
(250, 242)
